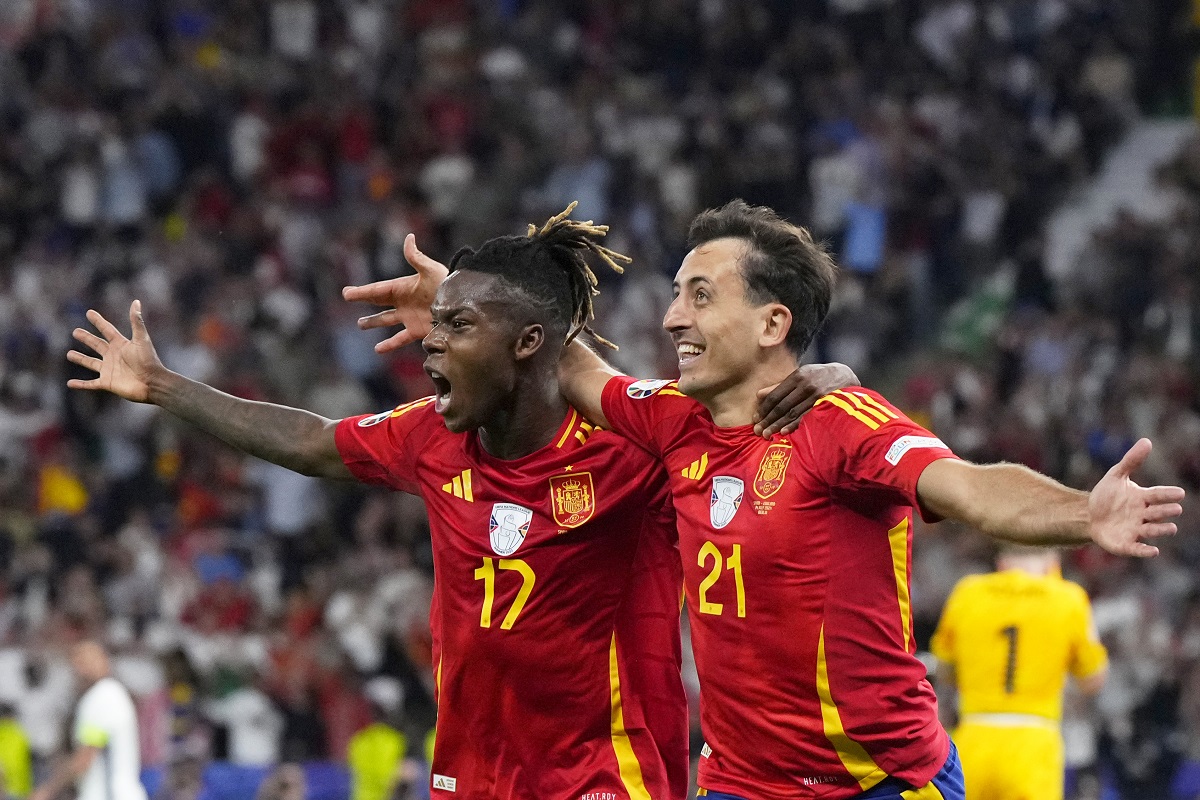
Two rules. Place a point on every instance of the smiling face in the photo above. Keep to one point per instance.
(474, 349)
(719, 335)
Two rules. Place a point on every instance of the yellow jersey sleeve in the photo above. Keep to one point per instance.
(1088, 656)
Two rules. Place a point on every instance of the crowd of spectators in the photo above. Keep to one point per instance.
(233, 164)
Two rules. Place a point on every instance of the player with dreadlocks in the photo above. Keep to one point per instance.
(555, 614)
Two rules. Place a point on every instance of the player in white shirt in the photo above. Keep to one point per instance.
(106, 763)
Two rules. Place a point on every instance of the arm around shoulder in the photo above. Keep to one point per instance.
(582, 376)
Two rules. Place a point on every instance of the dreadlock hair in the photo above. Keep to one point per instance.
(548, 268)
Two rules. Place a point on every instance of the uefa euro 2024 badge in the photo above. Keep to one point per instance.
(640, 390)
(508, 526)
(726, 499)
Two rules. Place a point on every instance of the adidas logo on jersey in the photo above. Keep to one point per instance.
(460, 487)
(445, 783)
(697, 468)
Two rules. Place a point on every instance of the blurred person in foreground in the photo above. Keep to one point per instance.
(16, 761)
(797, 547)
(1008, 640)
(106, 761)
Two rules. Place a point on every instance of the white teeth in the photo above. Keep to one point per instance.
(690, 350)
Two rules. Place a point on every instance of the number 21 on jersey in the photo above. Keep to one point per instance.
(732, 564)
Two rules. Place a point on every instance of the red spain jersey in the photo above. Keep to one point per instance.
(796, 556)
(556, 609)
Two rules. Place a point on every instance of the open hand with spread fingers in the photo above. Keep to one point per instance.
(1121, 514)
(408, 299)
(125, 367)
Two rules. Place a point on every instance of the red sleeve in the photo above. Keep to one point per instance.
(649, 413)
(864, 443)
(382, 449)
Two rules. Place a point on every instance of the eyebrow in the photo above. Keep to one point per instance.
(448, 311)
(692, 281)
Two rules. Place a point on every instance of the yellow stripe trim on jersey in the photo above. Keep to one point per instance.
(404, 408)
(570, 425)
(898, 542)
(854, 758)
(871, 401)
(926, 792)
(849, 409)
(671, 392)
(867, 408)
(631, 770)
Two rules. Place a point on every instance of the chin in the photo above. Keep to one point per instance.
(692, 386)
(455, 423)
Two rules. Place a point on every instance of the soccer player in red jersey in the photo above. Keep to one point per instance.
(797, 547)
(557, 578)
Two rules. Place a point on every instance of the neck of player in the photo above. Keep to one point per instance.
(736, 403)
(527, 420)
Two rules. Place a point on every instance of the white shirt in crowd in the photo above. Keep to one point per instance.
(106, 719)
(255, 726)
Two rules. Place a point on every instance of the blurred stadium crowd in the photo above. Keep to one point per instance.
(233, 164)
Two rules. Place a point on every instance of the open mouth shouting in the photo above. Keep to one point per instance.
(441, 390)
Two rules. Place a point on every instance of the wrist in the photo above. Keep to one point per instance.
(161, 383)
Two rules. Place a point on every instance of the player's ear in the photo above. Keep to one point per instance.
(529, 341)
(776, 322)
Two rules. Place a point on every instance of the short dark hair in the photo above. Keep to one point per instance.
(782, 264)
(548, 268)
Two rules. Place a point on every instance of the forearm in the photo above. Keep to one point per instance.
(1007, 501)
(1022, 506)
(582, 375)
(290, 437)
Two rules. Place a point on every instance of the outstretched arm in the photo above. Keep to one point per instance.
(130, 368)
(1012, 502)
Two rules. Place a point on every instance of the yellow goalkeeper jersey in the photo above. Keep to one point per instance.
(1013, 638)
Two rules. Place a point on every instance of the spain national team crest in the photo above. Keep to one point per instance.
(726, 499)
(573, 498)
(772, 470)
(508, 526)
